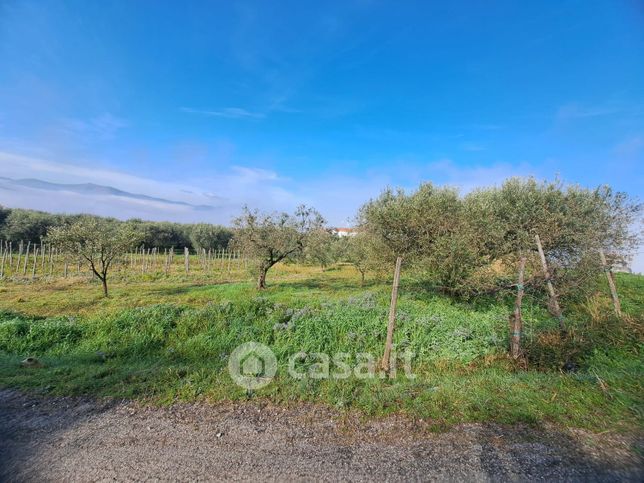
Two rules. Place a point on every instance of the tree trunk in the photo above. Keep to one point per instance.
(261, 280)
(554, 303)
(104, 281)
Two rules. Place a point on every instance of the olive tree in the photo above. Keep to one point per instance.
(321, 249)
(426, 228)
(572, 222)
(468, 244)
(270, 238)
(204, 236)
(97, 241)
(359, 251)
(28, 225)
(568, 219)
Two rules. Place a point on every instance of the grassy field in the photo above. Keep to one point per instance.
(167, 338)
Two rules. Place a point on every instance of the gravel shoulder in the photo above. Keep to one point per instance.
(83, 439)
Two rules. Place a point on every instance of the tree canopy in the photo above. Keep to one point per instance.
(455, 239)
(270, 238)
(96, 241)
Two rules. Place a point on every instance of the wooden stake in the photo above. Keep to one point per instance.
(33, 269)
(554, 303)
(517, 323)
(4, 256)
(19, 255)
(186, 255)
(10, 254)
(42, 257)
(385, 365)
(24, 267)
(611, 284)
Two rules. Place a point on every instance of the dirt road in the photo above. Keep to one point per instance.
(87, 440)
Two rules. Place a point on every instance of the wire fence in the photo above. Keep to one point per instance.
(32, 261)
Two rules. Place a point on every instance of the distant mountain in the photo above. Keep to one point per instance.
(94, 189)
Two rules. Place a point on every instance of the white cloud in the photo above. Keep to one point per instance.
(573, 110)
(99, 204)
(104, 126)
(17, 166)
(631, 146)
(336, 195)
(255, 174)
(637, 264)
(472, 147)
(467, 178)
(576, 111)
(227, 191)
(21, 167)
(486, 127)
(339, 197)
(227, 112)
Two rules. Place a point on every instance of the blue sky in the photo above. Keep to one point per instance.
(278, 103)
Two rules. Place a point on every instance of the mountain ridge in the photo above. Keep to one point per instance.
(95, 189)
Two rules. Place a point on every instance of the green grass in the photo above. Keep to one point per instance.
(168, 339)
